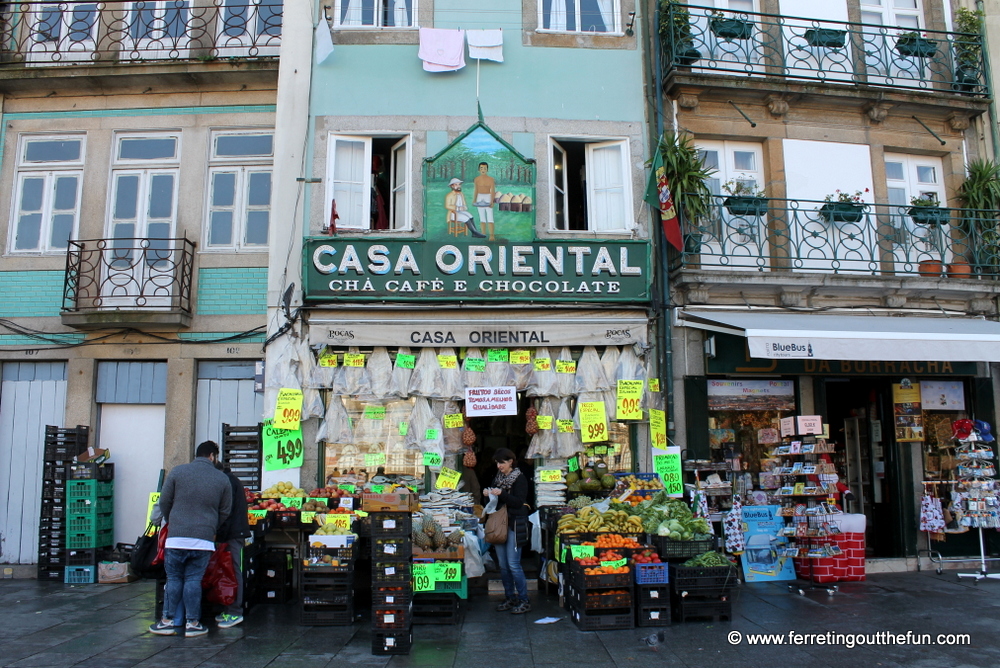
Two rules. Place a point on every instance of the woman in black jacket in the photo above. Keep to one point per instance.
(511, 489)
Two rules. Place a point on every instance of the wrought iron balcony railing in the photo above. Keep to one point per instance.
(813, 236)
(128, 274)
(81, 32)
(705, 39)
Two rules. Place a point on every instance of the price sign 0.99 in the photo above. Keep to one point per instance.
(668, 467)
(423, 577)
(282, 447)
(288, 409)
(593, 422)
(448, 478)
(629, 395)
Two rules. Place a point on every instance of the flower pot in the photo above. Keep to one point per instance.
(930, 268)
(916, 47)
(842, 212)
(730, 29)
(741, 205)
(960, 269)
(929, 215)
(966, 80)
(692, 244)
(826, 37)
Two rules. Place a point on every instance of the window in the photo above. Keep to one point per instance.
(732, 161)
(368, 182)
(375, 13)
(908, 176)
(585, 16)
(591, 185)
(65, 29)
(46, 209)
(904, 14)
(239, 190)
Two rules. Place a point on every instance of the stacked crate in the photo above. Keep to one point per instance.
(61, 448)
(242, 453)
(392, 585)
(90, 522)
(599, 602)
(702, 593)
(440, 605)
(326, 585)
(652, 594)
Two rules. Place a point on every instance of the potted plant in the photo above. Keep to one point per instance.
(826, 37)
(915, 45)
(926, 210)
(675, 33)
(729, 28)
(980, 198)
(968, 50)
(745, 198)
(686, 171)
(843, 207)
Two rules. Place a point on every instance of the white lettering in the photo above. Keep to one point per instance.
(379, 257)
(405, 261)
(351, 261)
(517, 259)
(546, 260)
(579, 252)
(624, 267)
(603, 263)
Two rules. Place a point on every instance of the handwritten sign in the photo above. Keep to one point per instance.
(614, 564)
(432, 459)
(432, 434)
(374, 459)
(448, 571)
(339, 520)
(565, 366)
(282, 448)
(628, 398)
(475, 364)
(378, 489)
(490, 401)
(520, 357)
(448, 361)
(453, 420)
(258, 513)
(404, 361)
(288, 409)
(354, 359)
(581, 551)
(291, 501)
(328, 360)
(668, 467)
(809, 424)
(448, 478)
(374, 412)
(658, 427)
(543, 364)
(346, 502)
(565, 426)
(308, 516)
(347, 488)
(573, 464)
(593, 422)
(544, 421)
(550, 475)
(404, 428)
(497, 355)
(600, 449)
(654, 384)
(424, 577)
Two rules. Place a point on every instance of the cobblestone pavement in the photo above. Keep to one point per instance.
(46, 624)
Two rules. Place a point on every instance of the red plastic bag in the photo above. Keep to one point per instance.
(220, 577)
(161, 546)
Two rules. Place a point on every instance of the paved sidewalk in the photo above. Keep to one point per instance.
(104, 626)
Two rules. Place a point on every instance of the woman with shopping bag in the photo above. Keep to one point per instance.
(508, 494)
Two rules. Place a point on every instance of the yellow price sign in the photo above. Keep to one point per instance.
(654, 384)
(544, 421)
(565, 426)
(550, 475)
(448, 361)
(520, 357)
(565, 366)
(288, 409)
(308, 516)
(354, 359)
(658, 428)
(328, 360)
(340, 520)
(543, 364)
(593, 422)
(453, 420)
(448, 478)
(628, 398)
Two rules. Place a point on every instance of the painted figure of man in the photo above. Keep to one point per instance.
(483, 197)
(454, 202)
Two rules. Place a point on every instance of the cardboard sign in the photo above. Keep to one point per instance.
(544, 421)
(328, 360)
(404, 428)
(593, 422)
(565, 366)
(347, 488)
(654, 384)
(288, 409)
(354, 359)
(282, 448)
(809, 424)
(475, 364)
(550, 475)
(565, 426)
(308, 516)
(614, 564)
(260, 514)
(375, 459)
(346, 502)
(447, 478)
(581, 551)
(453, 420)
(378, 489)
(658, 427)
(374, 412)
(489, 401)
(424, 577)
(520, 357)
(404, 361)
(543, 364)
(291, 501)
(432, 459)
(628, 398)
(788, 426)
(448, 361)
(573, 464)
(668, 467)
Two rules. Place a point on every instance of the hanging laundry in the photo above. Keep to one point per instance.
(485, 44)
(442, 50)
(734, 527)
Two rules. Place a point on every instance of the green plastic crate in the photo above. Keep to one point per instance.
(460, 587)
(83, 540)
(89, 489)
(87, 522)
(80, 575)
(97, 506)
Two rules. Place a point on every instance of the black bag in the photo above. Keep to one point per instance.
(143, 554)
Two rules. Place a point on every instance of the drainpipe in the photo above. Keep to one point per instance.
(987, 75)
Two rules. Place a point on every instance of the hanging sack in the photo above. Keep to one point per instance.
(496, 527)
(469, 458)
(219, 581)
(144, 554)
(161, 546)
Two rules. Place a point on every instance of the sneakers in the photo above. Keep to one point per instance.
(193, 629)
(521, 608)
(506, 605)
(164, 627)
(226, 620)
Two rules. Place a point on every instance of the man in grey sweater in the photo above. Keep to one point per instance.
(195, 500)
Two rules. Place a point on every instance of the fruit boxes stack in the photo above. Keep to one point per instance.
(61, 446)
(701, 592)
(326, 584)
(652, 591)
(392, 586)
(599, 591)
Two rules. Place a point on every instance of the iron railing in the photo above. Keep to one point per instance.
(81, 32)
(876, 239)
(128, 274)
(705, 39)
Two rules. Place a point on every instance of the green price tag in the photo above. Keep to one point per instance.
(405, 361)
(497, 355)
(581, 551)
(423, 577)
(377, 489)
(475, 364)
(282, 447)
(668, 467)
(432, 434)
(600, 449)
(257, 513)
(291, 501)
(375, 412)
(347, 488)
(448, 571)
(404, 428)
(375, 459)
(614, 564)
(308, 516)
(432, 459)
(573, 464)
(360, 513)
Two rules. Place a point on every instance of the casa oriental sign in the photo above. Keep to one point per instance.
(425, 271)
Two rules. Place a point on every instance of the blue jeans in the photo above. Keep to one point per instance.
(511, 574)
(185, 569)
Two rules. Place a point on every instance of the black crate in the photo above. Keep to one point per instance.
(390, 524)
(604, 581)
(280, 592)
(55, 471)
(384, 596)
(320, 578)
(341, 560)
(436, 609)
(62, 452)
(81, 557)
(329, 593)
(604, 620)
(703, 581)
(680, 550)
(599, 599)
(391, 572)
(652, 595)
(91, 471)
(326, 615)
(698, 608)
(53, 508)
(392, 642)
(392, 617)
(392, 547)
(52, 489)
(46, 560)
(653, 615)
(56, 573)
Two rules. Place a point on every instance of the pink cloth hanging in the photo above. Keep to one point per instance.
(441, 49)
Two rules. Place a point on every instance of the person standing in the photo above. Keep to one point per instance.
(233, 533)
(483, 194)
(195, 501)
(511, 489)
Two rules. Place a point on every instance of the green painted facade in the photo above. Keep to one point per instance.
(232, 291)
(45, 289)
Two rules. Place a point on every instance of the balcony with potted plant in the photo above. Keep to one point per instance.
(745, 198)
(926, 210)
(844, 207)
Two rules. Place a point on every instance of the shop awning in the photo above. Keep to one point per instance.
(854, 337)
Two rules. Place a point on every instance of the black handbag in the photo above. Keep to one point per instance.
(143, 554)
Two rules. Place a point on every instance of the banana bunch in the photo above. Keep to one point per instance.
(589, 519)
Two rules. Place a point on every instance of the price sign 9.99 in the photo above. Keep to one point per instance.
(288, 409)
(593, 422)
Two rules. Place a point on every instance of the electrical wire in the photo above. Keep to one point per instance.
(55, 343)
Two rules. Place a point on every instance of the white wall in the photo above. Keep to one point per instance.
(829, 10)
(814, 169)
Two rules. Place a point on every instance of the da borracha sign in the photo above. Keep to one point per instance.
(484, 401)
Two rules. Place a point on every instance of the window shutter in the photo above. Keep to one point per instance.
(350, 169)
(606, 187)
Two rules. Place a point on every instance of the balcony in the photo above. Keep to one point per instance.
(800, 236)
(43, 35)
(705, 40)
(128, 283)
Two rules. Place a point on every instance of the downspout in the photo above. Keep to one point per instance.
(988, 77)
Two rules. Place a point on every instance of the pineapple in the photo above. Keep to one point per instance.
(455, 538)
(440, 542)
(422, 540)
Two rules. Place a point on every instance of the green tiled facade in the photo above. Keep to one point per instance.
(232, 291)
(31, 294)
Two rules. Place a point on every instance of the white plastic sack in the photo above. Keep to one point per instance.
(312, 403)
(565, 382)
(336, 426)
(543, 442)
(567, 443)
(473, 559)
(630, 367)
(397, 413)
(474, 368)
(380, 369)
(589, 372)
(369, 430)
(322, 376)
(420, 419)
(543, 383)
(452, 437)
(451, 379)
(609, 362)
(522, 374)
(357, 380)
(401, 375)
(536, 532)
(499, 374)
(426, 378)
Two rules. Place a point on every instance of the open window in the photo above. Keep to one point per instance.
(591, 185)
(46, 208)
(368, 182)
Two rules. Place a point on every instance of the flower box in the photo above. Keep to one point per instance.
(731, 29)
(929, 215)
(913, 46)
(826, 37)
(842, 212)
(741, 205)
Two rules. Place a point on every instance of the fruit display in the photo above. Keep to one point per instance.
(589, 519)
(315, 506)
(666, 516)
(606, 570)
(267, 504)
(709, 559)
(581, 501)
(646, 557)
(633, 482)
(329, 529)
(328, 493)
(283, 489)
(428, 535)
(613, 540)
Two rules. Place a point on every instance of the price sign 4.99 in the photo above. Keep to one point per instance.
(282, 447)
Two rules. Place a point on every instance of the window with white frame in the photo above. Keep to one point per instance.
(906, 14)
(375, 13)
(909, 176)
(239, 190)
(735, 162)
(591, 188)
(46, 207)
(368, 182)
(583, 16)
